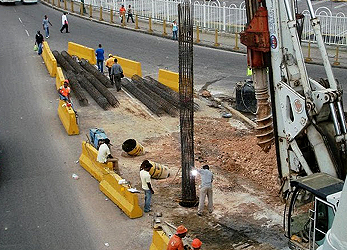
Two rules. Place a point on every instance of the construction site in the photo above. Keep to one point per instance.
(273, 138)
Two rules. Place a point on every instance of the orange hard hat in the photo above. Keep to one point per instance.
(196, 243)
(181, 229)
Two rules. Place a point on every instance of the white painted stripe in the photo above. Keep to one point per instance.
(27, 32)
(320, 2)
(339, 6)
(20, 20)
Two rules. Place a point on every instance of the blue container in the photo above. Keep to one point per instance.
(97, 134)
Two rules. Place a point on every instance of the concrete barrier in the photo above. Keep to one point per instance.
(130, 67)
(68, 118)
(169, 78)
(127, 201)
(81, 51)
(159, 241)
(59, 79)
(88, 161)
(49, 59)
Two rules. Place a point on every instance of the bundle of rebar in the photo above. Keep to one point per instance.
(186, 92)
(96, 73)
(151, 104)
(101, 88)
(93, 92)
(170, 95)
(164, 104)
(75, 65)
(76, 88)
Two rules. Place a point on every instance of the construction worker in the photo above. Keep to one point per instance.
(117, 74)
(109, 62)
(205, 189)
(196, 244)
(175, 242)
(104, 154)
(146, 184)
(64, 91)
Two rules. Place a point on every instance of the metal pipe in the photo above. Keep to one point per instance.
(236, 41)
(334, 116)
(197, 34)
(100, 14)
(342, 117)
(289, 10)
(137, 22)
(216, 44)
(164, 28)
(309, 4)
(111, 16)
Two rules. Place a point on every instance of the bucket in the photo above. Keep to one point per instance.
(159, 171)
(132, 147)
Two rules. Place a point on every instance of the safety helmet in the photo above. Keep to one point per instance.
(67, 81)
(181, 229)
(109, 55)
(196, 243)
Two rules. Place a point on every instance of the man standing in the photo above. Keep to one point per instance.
(104, 155)
(205, 189)
(117, 74)
(65, 23)
(130, 14)
(146, 184)
(175, 242)
(45, 25)
(109, 63)
(100, 58)
(38, 42)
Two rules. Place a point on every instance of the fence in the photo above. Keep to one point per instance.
(214, 15)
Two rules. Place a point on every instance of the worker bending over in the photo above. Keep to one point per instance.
(104, 154)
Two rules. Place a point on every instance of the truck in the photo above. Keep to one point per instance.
(304, 118)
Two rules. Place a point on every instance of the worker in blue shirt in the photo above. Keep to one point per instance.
(100, 58)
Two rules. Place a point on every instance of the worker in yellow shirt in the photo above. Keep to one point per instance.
(109, 62)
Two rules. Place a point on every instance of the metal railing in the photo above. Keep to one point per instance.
(214, 15)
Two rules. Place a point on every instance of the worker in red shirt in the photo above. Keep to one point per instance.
(122, 13)
(176, 242)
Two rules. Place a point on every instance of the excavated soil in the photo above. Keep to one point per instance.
(247, 211)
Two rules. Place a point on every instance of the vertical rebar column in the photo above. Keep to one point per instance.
(185, 56)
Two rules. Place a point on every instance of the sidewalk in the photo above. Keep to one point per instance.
(208, 39)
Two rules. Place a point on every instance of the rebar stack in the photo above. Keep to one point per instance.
(186, 91)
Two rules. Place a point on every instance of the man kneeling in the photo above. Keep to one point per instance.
(104, 154)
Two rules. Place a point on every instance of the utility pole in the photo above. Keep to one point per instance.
(186, 90)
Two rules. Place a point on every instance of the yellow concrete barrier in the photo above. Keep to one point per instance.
(81, 51)
(169, 78)
(88, 161)
(49, 59)
(130, 67)
(68, 118)
(59, 79)
(159, 241)
(127, 201)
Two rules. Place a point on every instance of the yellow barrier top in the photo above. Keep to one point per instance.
(81, 51)
(129, 67)
(49, 59)
(169, 79)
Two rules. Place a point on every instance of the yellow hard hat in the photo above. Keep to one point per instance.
(109, 55)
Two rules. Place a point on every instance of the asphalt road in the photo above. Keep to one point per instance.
(41, 206)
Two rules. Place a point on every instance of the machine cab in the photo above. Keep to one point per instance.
(311, 209)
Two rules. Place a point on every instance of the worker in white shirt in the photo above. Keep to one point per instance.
(104, 154)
